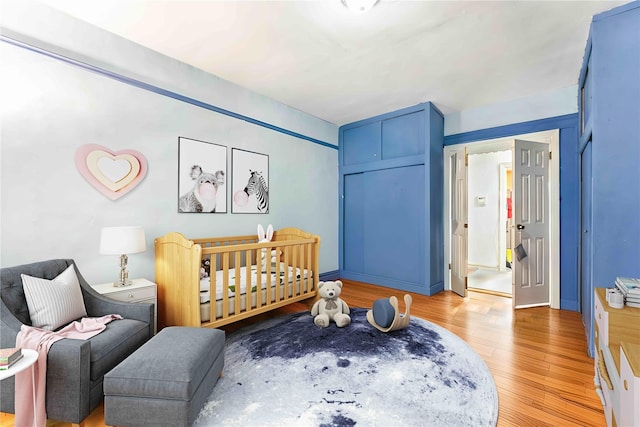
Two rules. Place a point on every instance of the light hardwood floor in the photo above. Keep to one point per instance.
(538, 356)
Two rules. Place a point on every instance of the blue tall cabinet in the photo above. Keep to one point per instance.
(609, 113)
(391, 223)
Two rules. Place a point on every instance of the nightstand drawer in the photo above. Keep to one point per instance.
(133, 295)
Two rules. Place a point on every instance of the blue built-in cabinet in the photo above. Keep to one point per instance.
(609, 113)
(391, 224)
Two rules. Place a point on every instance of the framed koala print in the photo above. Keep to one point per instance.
(202, 173)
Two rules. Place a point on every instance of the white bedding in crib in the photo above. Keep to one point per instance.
(266, 279)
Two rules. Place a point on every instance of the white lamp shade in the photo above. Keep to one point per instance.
(122, 240)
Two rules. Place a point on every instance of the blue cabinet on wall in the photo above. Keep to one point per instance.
(391, 225)
(609, 111)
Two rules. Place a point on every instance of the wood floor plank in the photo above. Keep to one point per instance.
(537, 356)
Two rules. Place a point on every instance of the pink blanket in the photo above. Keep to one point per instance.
(41, 340)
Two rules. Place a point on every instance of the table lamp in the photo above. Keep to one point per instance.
(122, 241)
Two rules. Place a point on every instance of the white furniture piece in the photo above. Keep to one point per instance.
(28, 360)
(617, 360)
(140, 290)
(629, 384)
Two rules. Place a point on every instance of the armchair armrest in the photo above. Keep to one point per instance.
(98, 305)
(68, 378)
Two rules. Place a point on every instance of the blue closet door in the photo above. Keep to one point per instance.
(353, 224)
(394, 223)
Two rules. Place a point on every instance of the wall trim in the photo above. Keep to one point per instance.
(158, 90)
(557, 122)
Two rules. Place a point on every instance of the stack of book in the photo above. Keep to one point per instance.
(9, 356)
(630, 288)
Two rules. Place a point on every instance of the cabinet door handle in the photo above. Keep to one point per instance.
(626, 385)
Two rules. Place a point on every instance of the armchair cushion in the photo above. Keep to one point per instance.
(54, 303)
(13, 292)
(114, 344)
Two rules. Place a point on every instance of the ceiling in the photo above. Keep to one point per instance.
(323, 59)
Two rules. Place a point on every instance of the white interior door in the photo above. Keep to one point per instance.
(459, 222)
(531, 224)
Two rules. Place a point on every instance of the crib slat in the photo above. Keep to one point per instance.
(250, 255)
(213, 295)
(238, 286)
(224, 285)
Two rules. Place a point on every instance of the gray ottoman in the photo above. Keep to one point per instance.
(167, 380)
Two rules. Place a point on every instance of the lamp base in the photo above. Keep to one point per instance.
(124, 274)
(122, 284)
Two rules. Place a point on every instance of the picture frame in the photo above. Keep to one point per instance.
(202, 175)
(250, 182)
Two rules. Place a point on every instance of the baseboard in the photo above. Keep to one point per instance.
(436, 287)
(483, 267)
(330, 275)
(569, 305)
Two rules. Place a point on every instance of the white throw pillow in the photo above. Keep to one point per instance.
(53, 303)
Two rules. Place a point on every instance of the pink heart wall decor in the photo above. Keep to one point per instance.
(113, 173)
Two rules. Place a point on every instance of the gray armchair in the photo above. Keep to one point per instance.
(75, 368)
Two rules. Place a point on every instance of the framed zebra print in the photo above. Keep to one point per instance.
(250, 182)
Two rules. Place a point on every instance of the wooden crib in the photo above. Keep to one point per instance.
(268, 275)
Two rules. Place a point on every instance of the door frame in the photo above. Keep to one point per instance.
(552, 137)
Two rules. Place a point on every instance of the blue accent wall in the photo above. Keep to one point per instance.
(616, 144)
(609, 109)
(569, 191)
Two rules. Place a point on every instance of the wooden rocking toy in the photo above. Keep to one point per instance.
(385, 315)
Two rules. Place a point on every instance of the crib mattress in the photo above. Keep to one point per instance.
(234, 281)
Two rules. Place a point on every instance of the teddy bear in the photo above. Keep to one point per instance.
(205, 267)
(330, 306)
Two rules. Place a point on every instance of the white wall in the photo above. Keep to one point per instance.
(484, 181)
(538, 106)
(50, 108)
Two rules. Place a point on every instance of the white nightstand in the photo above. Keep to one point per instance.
(141, 290)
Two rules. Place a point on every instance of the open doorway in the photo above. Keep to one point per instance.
(454, 240)
(490, 219)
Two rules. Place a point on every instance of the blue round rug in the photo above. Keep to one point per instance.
(288, 372)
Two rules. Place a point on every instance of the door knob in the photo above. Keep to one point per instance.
(520, 227)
